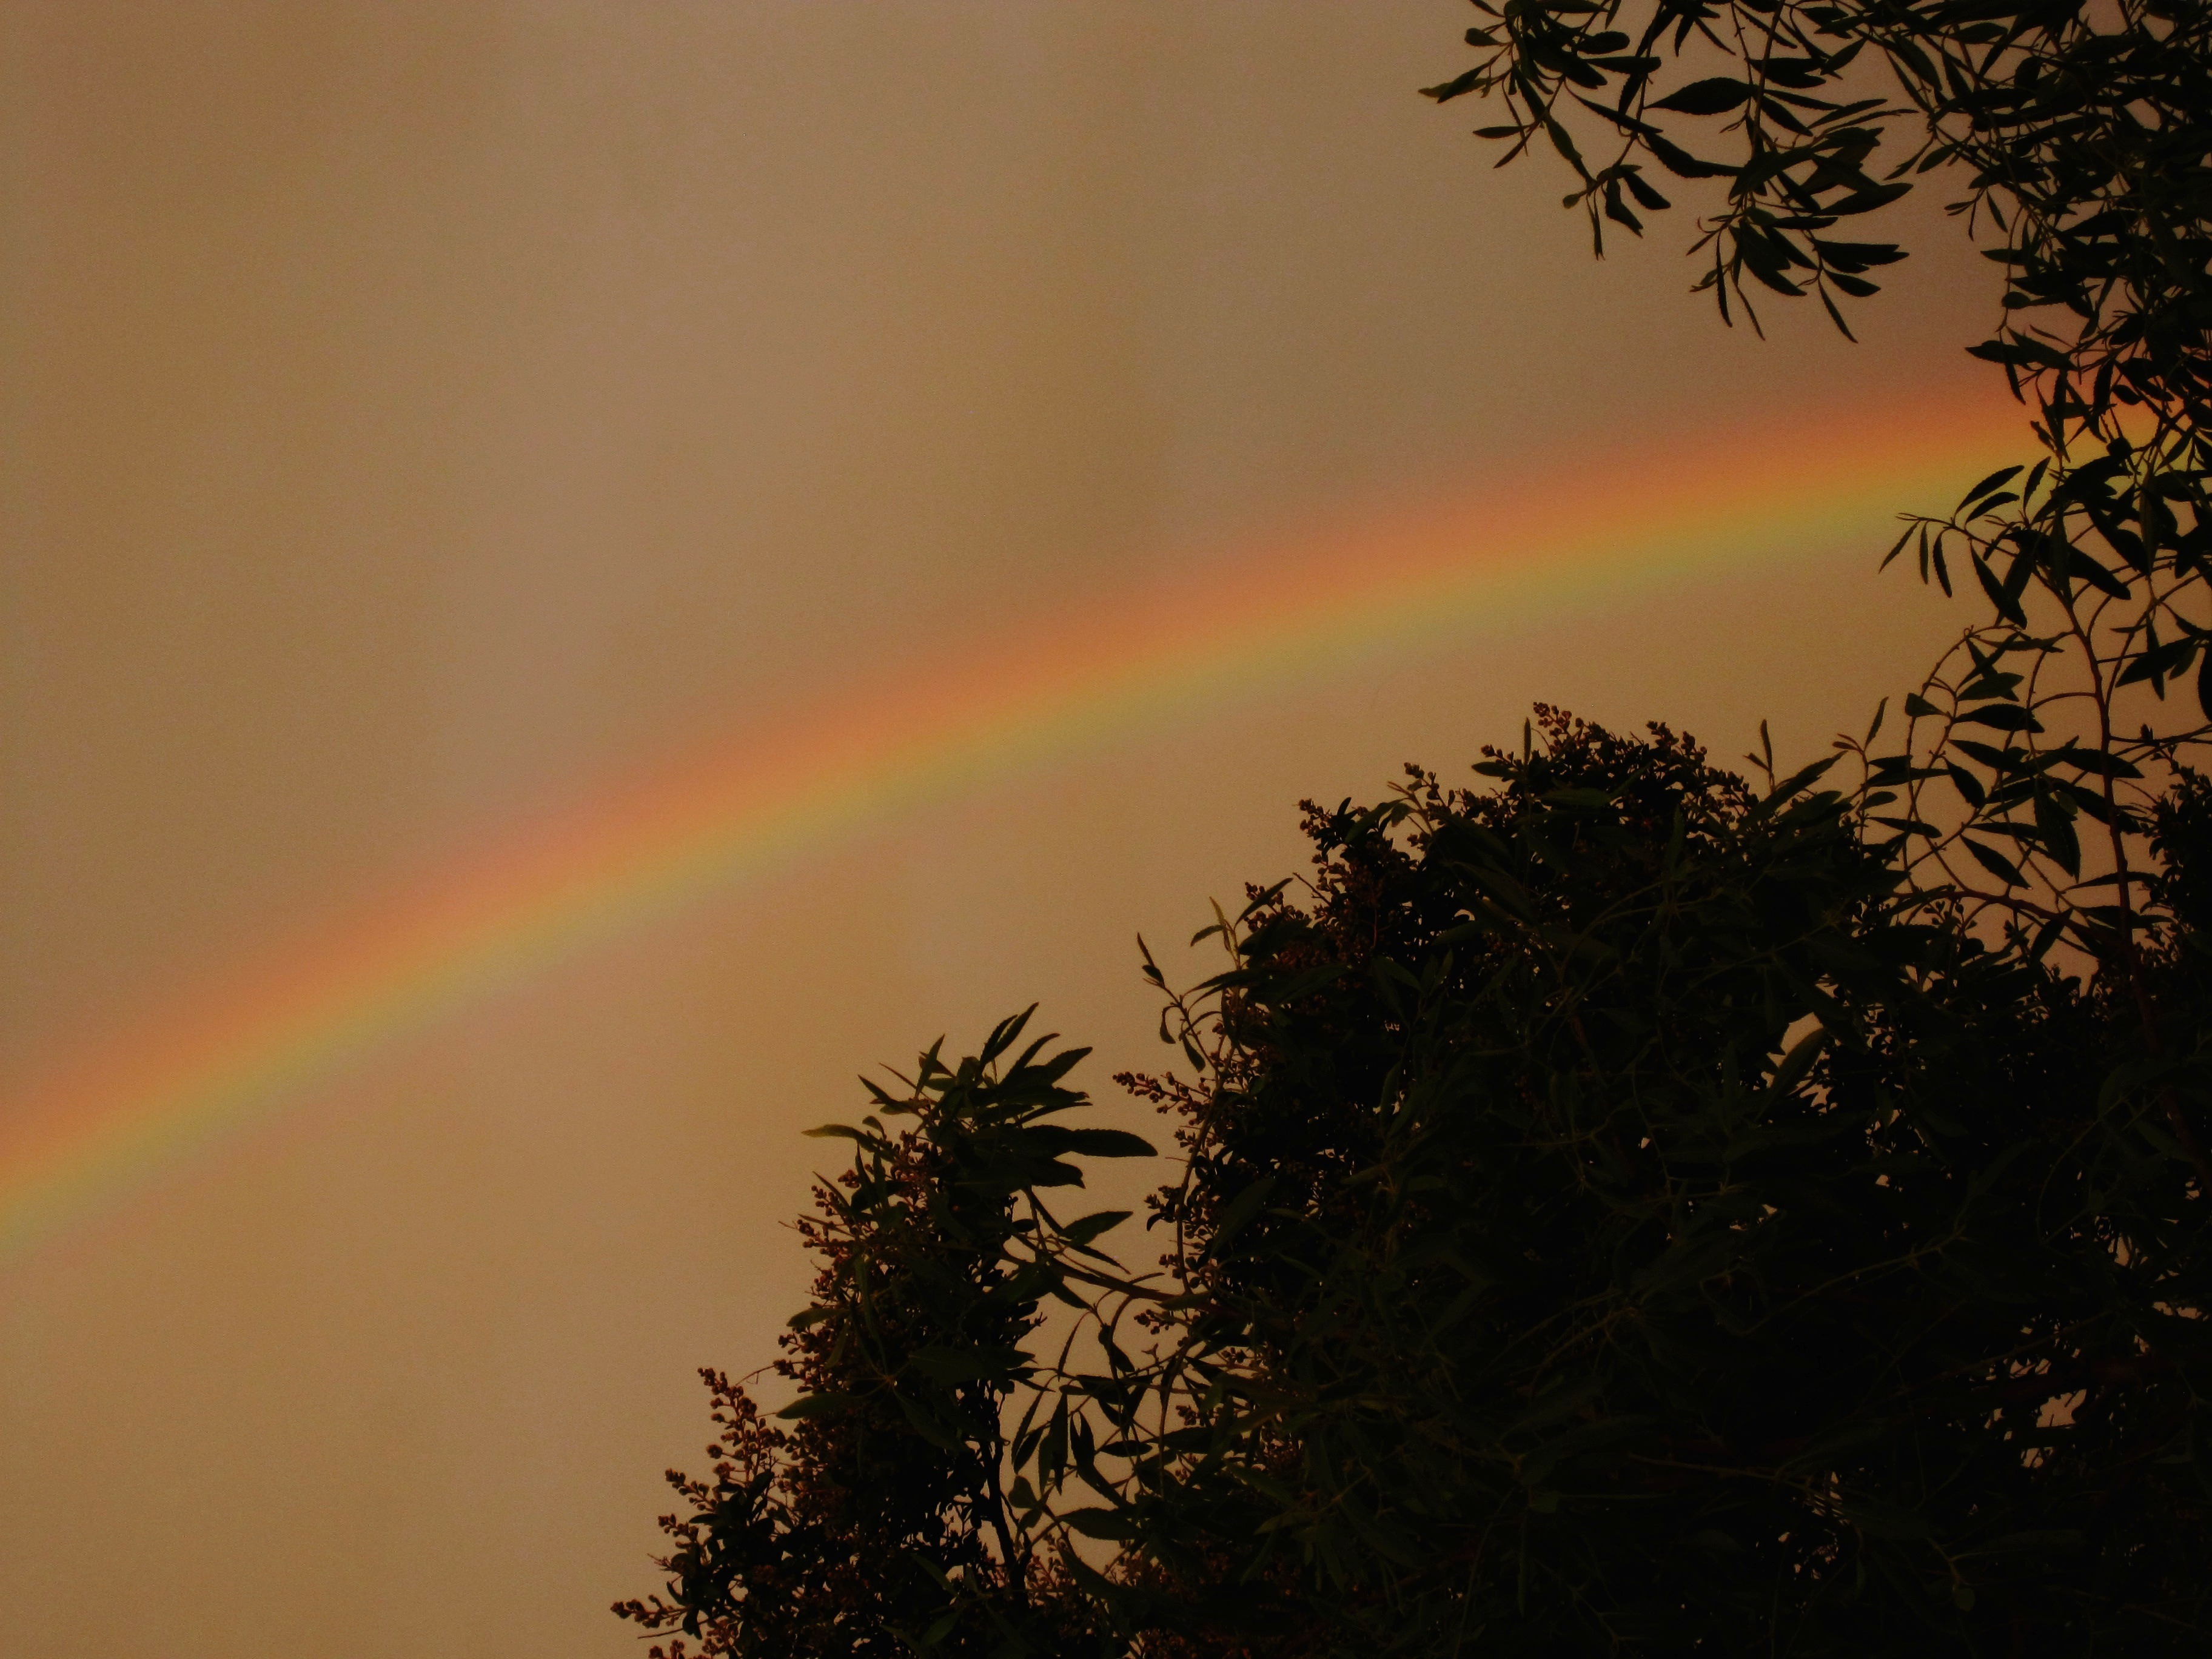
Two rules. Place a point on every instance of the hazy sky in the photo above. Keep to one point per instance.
(415, 416)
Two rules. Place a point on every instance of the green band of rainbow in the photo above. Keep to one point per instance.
(1560, 541)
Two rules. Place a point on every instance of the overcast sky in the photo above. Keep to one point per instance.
(414, 416)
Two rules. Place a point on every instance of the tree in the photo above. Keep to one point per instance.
(1623, 1208)
(1618, 1220)
(881, 1521)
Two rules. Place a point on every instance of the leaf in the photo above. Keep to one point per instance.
(1683, 165)
(1883, 1519)
(1766, 267)
(938, 1630)
(1115, 1526)
(1798, 1061)
(1857, 256)
(1797, 781)
(1108, 1143)
(2003, 475)
(2006, 604)
(2017, 354)
(1238, 1213)
(1267, 988)
(2000, 761)
(944, 1364)
(927, 1423)
(1458, 84)
(820, 1405)
(1707, 97)
(2004, 716)
(1091, 1226)
(2156, 662)
(2093, 571)
(2047, 936)
(2055, 824)
(1995, 862)
(1500, 888)
(1867, 200)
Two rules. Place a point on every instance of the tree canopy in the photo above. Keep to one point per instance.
(1621, 1204)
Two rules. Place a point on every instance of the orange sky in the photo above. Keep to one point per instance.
(412, 415)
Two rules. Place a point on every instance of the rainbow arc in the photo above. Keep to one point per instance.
(1552, 543)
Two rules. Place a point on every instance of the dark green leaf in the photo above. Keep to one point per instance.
(1707, 97)
(1993, 861)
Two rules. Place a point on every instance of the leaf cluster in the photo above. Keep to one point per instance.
(2078, 128)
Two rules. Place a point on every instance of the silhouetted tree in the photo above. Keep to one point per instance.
(1617, 1218)
(880, 1522)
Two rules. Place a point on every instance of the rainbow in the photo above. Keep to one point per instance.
(1550, 542)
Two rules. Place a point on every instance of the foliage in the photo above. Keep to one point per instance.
(880, 1520)
(2080, 128)
(1618, 1220)
(2081, 133)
